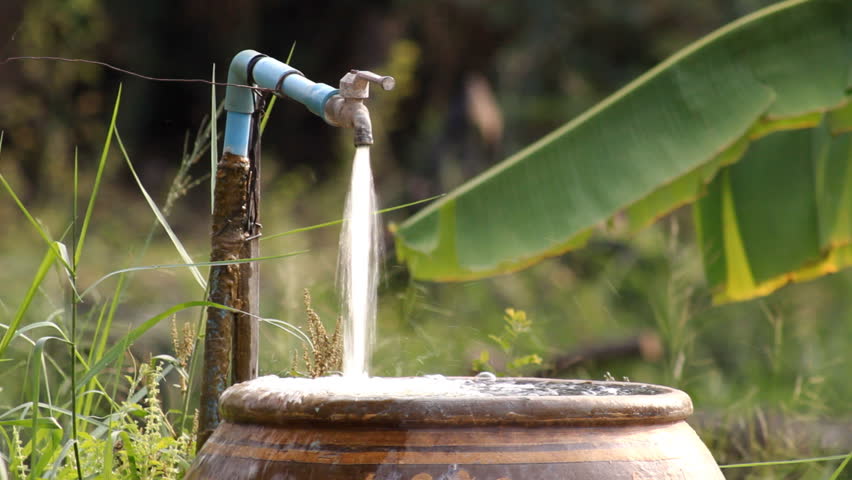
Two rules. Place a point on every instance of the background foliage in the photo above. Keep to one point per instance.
(476, 82)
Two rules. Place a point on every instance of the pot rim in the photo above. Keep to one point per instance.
(257, 404)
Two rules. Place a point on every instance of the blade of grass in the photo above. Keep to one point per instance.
(337, 222)
(99, 343)
(289, 328)
(54, 440)
(9, 443)
(59, 459)
(131, 454)
(290, 55)
(59, 368)
(46, 263)
(49, 422)
(4, 475)
(101, 164)
(214, 139)
(187, 265)
(49, 324)
(35, 393)
(121, 346)
(841, 467)
(108, 456)
(35, 223)
(75, 299)
(53, 362)
(195, 360)
(271, 103)
(26, 407)
(32, 326)
(102, 314)
(265, 119)
(177, 243)
(829, 458)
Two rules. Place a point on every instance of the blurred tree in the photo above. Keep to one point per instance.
(539, 61)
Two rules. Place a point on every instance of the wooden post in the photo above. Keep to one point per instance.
(228, 241)
(246, 335)
(246, 328)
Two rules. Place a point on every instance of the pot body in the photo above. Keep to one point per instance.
(459, 439)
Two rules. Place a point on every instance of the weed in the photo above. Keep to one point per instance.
(516, 325)
(141, 443)
(327, 353)
(183, 344)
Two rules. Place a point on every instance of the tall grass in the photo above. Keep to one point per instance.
(83, 411)
(72, 420)
(94, 409)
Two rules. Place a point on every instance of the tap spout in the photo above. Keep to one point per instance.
(350, 113)
(363, 126)
(346, 108)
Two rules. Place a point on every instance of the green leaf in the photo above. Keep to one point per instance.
(42, 271)
(35, 223)
(96, 187)
(36, 422)
(829, 458)
(840, 468)
(782, 214)
(653, 146)
(48, 423)
(188, 265)
(339, 221)
(133, 470)
(162, 219)
(503, 343)
(125, 342)
(523, 361)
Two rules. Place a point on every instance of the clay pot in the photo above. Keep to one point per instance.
(636, 436)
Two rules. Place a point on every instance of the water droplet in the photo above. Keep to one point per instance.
(486, 376)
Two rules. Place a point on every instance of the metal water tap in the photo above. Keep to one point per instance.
(347, 109)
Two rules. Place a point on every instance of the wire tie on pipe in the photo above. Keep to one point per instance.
(250, 67)
(284, 77)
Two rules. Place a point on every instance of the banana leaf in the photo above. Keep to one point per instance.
(749, 91)
(783, 213)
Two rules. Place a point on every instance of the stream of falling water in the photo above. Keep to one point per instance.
(358, 267)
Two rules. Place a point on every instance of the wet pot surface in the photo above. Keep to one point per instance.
(270, 433)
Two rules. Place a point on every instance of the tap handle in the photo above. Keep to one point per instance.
(387, 82)
(356, 83)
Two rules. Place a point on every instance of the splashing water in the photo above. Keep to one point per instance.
(358, 267)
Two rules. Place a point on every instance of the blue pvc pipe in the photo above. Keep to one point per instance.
(239, 99)
(267, 73)
(237, 133)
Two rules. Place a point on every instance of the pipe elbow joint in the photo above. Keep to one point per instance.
(239, 99)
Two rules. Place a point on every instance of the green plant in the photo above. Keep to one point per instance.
(516, 325)
(326, 351)
(753, 121)
(142, 444)
(75, 415)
